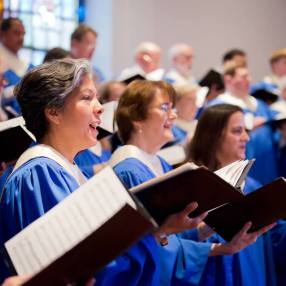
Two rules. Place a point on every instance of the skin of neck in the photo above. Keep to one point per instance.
(140, 141)
(222, 161)
(64, 147)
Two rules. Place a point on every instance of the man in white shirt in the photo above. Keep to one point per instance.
(83, 46)
(12, 39)
(181, 58)
(147, 63)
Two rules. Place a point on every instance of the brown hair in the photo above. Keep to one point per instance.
(80, 31)
(208, 134)
(134, 103)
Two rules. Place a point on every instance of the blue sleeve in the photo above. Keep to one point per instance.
(278, 236)
(183, 261)
(31, 191)
(87, 159)
(140, 264)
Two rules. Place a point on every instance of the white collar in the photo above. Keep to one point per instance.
(179, 78)
(131, 151)
(96, 149)
(249, 103)
(42, 150)
(12, 62)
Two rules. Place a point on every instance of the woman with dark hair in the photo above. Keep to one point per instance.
(145, 118)
(220, 139)
(208, 137)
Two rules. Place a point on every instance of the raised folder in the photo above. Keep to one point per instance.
(171, 192)
(262, 207)
(229, 209)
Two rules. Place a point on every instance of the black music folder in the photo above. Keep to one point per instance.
(14, 139)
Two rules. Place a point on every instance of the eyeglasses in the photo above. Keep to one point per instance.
(167, 107)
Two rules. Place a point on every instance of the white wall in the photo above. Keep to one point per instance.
(210, 26)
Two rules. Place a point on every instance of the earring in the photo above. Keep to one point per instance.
(140, 130)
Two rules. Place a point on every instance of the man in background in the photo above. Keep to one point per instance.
(12, 32)
(83, 45)
(181, 58)
(147, 63)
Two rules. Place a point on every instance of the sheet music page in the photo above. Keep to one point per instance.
(18, 121)
(69, 222)
(107, 117)
(232, 172)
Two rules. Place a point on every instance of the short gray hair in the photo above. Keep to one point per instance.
(147, 47)
(48, 86)
(177, 49)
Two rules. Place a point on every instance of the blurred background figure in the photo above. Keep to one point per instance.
(83, 45)
(12, 39)
(261, 145)
(147, 63)
(278, 66)
(111, 91)
(181, 58)
(186, 109)
(56, 54)
(236, 55)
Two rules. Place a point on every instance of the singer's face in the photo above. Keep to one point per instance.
(233, 141)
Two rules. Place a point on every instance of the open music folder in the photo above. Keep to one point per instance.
(171, 192)
(79, 235)
(88, 229)
(218, 193)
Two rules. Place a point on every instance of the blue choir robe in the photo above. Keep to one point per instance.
(12, 79)
(87, 159)
(253, 265)
(261, 145)
(41, 183)
(182, 261)
(278, 236)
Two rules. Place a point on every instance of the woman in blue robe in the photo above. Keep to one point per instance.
(184, 258)
(220, 139)
(60, 108)
(261, 144)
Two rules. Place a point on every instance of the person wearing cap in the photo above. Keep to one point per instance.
(147, 63)
(261, 145)
(181, 57)
(278, 67)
